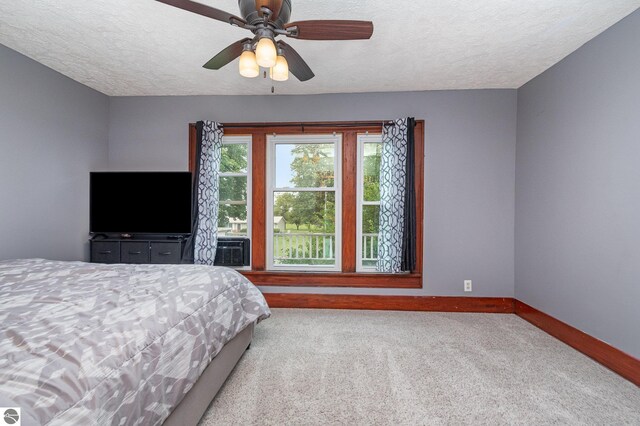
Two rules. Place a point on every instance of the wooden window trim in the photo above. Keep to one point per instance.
(348, 277)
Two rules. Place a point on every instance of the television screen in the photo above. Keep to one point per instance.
(140, 202)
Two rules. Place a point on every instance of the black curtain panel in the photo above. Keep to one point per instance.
(187, 254)
(409, 231)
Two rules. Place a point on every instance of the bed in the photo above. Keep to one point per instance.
(85, 343)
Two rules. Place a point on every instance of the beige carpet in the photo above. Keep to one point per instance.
(328, 367)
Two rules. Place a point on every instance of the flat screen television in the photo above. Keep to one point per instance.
(140, 203)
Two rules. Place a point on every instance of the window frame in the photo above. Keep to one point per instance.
(348, 277)
(360, 202)
(272, 142)
(241, 140)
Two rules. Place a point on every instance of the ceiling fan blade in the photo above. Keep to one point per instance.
(227, 55)
(297, 65)
(331, 30)
(207, 11)
(273, 5)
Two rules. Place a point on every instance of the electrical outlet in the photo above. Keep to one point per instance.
(468, 285)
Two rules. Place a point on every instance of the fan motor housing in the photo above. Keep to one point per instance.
(250, 11)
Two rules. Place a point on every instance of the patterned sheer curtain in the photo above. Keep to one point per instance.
(396, 242)
(201, 246)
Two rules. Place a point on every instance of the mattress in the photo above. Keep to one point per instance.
(84, 343)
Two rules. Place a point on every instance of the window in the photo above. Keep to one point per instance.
(368, 201)
(307, 195)
(234, 216)
(304, 202)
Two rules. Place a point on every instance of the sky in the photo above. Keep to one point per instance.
(284, 157)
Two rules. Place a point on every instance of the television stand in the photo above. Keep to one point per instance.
(134, 249)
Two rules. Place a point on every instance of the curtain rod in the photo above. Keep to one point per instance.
(320, 124)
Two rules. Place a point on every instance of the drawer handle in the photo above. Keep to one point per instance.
(165, 253)
(135, 252)
(105, 252)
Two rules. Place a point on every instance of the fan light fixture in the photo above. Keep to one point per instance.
(266, 53)
(248, 66)
(280, 71)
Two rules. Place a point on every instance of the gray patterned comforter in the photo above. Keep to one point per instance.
(84, 343)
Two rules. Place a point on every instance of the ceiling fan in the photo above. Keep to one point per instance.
(268, 19)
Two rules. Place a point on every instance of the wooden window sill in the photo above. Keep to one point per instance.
(333, 279)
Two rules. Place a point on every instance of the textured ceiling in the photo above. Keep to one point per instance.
(142, 47)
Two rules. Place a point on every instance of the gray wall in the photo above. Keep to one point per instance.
(470, 162)
(578, 188)
(53, 131)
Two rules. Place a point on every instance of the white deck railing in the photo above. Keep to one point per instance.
(369, 247)
(317, 247)
(304, 246)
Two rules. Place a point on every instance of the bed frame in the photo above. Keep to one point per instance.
(197, 400)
